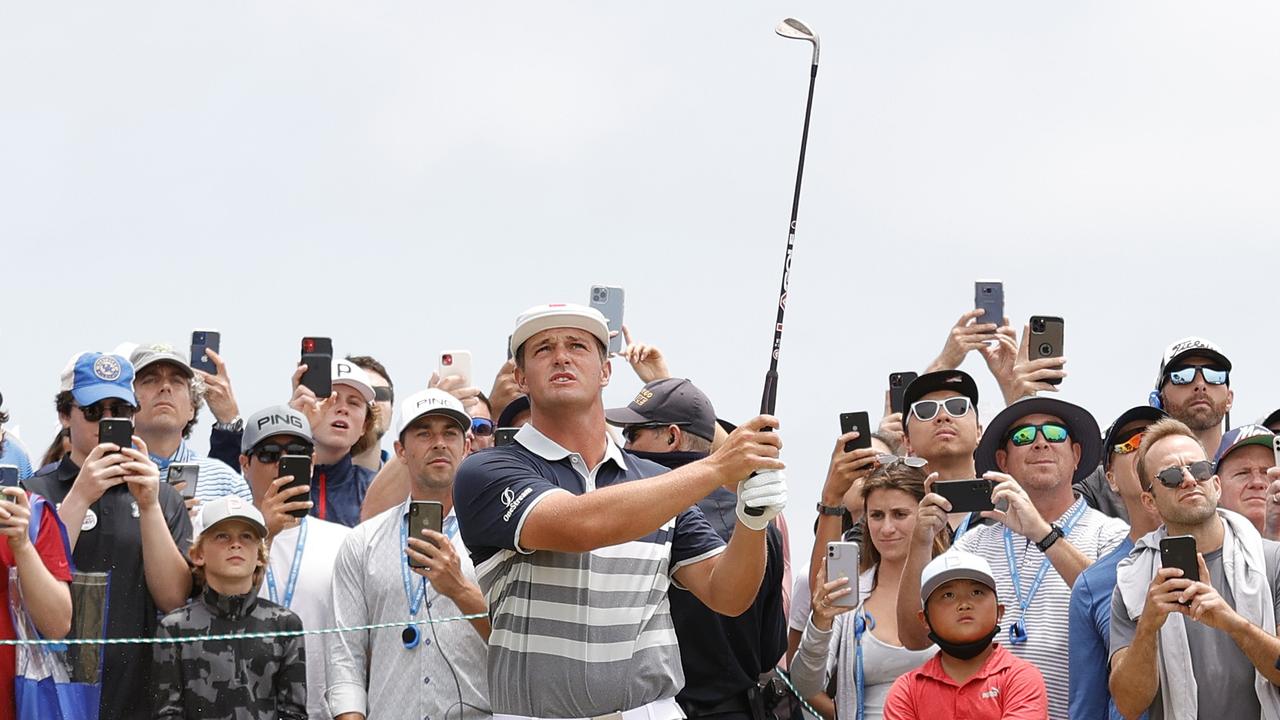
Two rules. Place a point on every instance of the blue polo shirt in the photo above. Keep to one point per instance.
(1090, 628)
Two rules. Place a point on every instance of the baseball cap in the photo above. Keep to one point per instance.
(1271, 419)
(144, 355)
(953, 565)
(93, 376)
(1079, 422)
(231, 507)
(1144, 413)
(1190, 347)
(1238, 438)
(513, 408)
(275, 420)
(543, 317)
(348, 373)
(670, 401)
(432, 401)
(953, 380)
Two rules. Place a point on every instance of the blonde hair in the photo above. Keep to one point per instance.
(1157, 431)
(197, 571)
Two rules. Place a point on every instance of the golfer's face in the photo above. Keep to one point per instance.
(562, 364)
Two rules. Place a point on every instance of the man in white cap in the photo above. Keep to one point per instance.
(337, 422)
(382, 575)
(576, 541)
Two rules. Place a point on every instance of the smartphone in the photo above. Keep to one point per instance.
(188, 473)
(317, 355)
(509, 355)
(1275, 444)
(299, 466)
(842, 562)
(504, 436)
(8, 476)
(455, 362)
(1046, 339)
(989, 295)
(966, 495)
(861, 422)
(202, 340)
(424, 515)
(608, 300)
(116, 430)
(1180, 551)
(898, 383)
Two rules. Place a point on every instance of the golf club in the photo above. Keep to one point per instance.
(796, 30)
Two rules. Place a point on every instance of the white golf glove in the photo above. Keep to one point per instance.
(767, 491)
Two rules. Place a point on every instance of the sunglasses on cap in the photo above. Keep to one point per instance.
(268, 453)
(629, 432)
(1130, 445)
(1171, 477)
(1024, 435)
(926, 410)
(98, 410)
(384, 393)
(1187, 375)
(481, 427)
(887, 459)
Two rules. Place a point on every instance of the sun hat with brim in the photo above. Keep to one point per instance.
(1238, 438)
(556, 315)
(1081, 425)
(954, 565)
(1143, 413)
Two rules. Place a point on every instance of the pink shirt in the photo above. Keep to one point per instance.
(1006, 687)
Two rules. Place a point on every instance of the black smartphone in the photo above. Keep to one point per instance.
(973, 495)
(1179, 551)
(424, 515)
(202, 340)
(118, 431)
(898, 383)
(861, 422)
(299, 466)
(8, 476)
(504, 436)
(1046, 339)
(317, 355)
(188, 473)
(989, 295)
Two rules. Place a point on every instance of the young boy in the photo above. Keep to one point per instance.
(970, 677)
(241, 678)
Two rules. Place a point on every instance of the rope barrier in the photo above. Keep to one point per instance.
(786, 678)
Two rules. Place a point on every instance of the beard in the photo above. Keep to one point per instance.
(1200, 418)
(1187, 516)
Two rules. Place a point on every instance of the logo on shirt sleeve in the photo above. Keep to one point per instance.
(513, 501)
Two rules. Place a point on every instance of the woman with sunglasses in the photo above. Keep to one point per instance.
(860, 650)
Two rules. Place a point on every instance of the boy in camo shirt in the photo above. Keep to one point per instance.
(242, 678)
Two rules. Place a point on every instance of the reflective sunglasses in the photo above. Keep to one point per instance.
(268, 453)
(1024, 435)
(887, 459)
(629, 432)
(926, 410)
(384, 393)
(1171, 477)
(1130, 445)
(481, 427)
(1187, 375)
(96, 411)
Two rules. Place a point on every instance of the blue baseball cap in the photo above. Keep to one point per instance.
(93, 376)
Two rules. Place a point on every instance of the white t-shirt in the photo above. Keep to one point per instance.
(801, 601)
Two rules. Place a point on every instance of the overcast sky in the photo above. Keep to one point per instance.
(406, 177)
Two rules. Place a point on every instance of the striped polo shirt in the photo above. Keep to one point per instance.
(574, 634)
(216, 479)
(1047, 646)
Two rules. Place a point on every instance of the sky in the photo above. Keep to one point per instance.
(406, 177)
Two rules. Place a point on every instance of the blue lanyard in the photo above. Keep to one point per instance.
(1018, 630)
(862, 622)
(292, 582)
(961, 528)
(415, 599)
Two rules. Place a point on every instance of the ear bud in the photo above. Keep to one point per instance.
(671, 439)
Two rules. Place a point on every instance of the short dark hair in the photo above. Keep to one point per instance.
(366, 362)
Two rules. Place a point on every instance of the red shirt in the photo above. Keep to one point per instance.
(1006, 687)
(49, 546)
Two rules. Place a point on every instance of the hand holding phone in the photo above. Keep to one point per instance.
(317, 355)
(1046, 340)
(1179, 551)
(202, 340)
(117, 431)
(898, 383)
(185, 474)
(842, 562)
(8, 475)
(298, 467)
(972, 495)
(861, 422)
(424, 515)
(455, 362)
(988, 296)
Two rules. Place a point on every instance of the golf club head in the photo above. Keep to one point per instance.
(796, 30)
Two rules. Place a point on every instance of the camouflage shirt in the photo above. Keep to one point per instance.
(230, 679)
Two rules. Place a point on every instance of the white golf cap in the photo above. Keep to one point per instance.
(143, 355)
(952, 565)
(432, 401)
(544, 317)
(346, 372)
(231, 507)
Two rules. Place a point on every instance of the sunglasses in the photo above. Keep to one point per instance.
(630, 432)
(887, 459)
(270, 452)
(1187, 375)
(926, 410)
(1171, 477)
(1130, 445)
(384, 393)
(481, 427)
(1026, 434)
(96, 411)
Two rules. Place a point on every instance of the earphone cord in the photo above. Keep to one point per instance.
(461, 703)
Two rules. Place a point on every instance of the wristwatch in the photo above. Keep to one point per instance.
(1055, 532)
(236, 425)
(838, 510)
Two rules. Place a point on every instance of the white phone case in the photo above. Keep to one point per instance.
(455, 362)
(842, 561)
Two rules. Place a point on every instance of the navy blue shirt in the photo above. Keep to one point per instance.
(337, 491)
(1090, 628)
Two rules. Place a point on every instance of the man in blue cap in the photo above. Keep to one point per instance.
(120, 519)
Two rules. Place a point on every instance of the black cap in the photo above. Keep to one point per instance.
(953, 380)
(1079, 422)
(1272, 419)
(1145, 413)
(513, 408)
(670, 401)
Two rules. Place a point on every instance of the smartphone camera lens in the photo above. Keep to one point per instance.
(600, 295)
(1037, 326)
(308, 345)
(1046, 349)
(446, 359)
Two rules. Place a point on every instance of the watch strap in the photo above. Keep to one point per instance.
(1055, 533)
(837, 510)
(236, 425)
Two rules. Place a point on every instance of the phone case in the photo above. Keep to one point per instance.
(202, 340)
(118, 431)
(1275, 443)
(861, 422)
(504, 436)
(456, 362)
(1046, 339)
(1180, 551)
(898, 383)
(299, 466)
(424, 515)
(842, 561)
(989, 295)
(966, 495)
(8, 475)
(317, 355)
(608, 299)
(188, 473)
